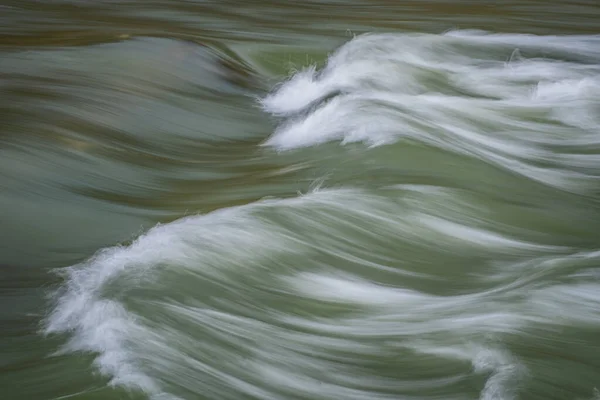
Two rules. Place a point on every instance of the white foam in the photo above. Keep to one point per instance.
(477, 236)
(349, 290)
(211, 246)
(230, 254)
(453, 92)
(505, 371)
(296, 94)
(103, 326)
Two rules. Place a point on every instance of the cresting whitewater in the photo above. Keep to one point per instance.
(465, 266)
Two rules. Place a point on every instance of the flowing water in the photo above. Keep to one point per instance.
(339, 200)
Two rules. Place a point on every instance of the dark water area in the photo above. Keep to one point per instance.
(299, 200)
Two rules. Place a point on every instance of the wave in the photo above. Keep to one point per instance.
(526, 103)
(291, 299)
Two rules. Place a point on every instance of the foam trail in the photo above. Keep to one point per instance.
(488, 96)
(236, 302)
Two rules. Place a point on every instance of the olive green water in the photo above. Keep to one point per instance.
(429, 233)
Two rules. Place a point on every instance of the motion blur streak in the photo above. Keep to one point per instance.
(330, 200)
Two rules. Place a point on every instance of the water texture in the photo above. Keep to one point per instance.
(335, 200)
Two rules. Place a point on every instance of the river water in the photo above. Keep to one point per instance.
(339, 200)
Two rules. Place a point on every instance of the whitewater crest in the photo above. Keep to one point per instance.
(291, 299)
(528, 104)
